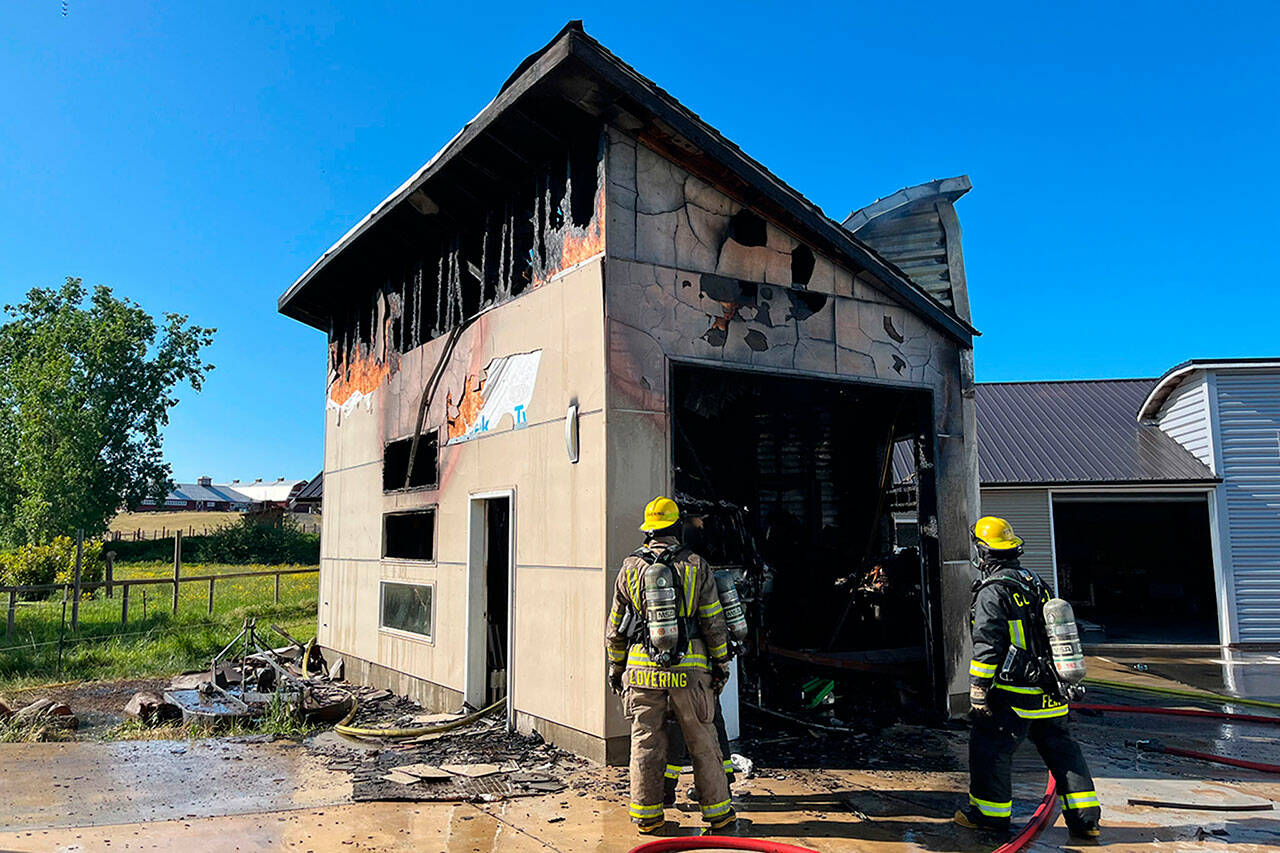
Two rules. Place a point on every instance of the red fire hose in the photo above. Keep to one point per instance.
(1206, 756)
(1039, 820)
(717, 842)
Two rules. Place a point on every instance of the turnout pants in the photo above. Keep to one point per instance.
(678, 753)
(694, 708)
(992, 742)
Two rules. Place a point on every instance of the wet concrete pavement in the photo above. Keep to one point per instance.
(212, 795)
(86, 783)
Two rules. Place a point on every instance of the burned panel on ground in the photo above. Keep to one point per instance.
(794, 482)
(442, 265)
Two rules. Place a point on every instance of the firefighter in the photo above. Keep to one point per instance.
(1013, 693)
(669, 654)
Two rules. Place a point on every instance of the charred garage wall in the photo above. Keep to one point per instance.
(504, 332)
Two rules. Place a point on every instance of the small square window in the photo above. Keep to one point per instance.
(409, 535)
(408, 607)
(395, 463)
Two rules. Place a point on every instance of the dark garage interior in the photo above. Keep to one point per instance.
(793, 480)
(1141, 570)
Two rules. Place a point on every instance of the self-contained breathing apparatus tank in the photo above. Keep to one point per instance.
(734, 618)
(660, 606)
(1064, 640)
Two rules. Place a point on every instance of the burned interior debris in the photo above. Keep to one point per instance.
(794, 482)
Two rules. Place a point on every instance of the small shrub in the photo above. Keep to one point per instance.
(54, 562)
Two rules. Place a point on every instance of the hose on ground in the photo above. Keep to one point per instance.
(1215, 759)
(1040, 818)
(43, 686)
(1188, 694)
(355, 731)
(1177, 712)
(306, 658)
(718, 842)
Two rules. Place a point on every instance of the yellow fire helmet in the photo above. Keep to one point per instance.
(661, 512)
(996, 533)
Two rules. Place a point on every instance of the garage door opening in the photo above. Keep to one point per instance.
(1137, 570)
(794, 481)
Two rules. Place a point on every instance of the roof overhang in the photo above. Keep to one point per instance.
(1107, 485)
(948, 188)
(1175, 376)
(575, 73)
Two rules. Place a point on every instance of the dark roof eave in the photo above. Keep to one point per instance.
(546, 59)
(572, 41)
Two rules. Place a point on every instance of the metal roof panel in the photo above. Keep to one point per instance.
(1076, 432)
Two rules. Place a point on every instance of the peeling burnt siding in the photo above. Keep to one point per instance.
(452, 272)
(696, 274)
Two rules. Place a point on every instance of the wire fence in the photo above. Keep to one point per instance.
(133, 590)
(141, 534)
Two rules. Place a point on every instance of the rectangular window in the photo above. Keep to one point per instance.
(409, 535)
(408, 607)
(395, 463)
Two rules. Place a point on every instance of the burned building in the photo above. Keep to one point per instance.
(590, 297)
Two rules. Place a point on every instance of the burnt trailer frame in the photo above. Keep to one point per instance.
(534, 324)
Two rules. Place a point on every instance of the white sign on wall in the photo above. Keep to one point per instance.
(506, 390)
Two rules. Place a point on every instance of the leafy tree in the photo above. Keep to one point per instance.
(84, 391)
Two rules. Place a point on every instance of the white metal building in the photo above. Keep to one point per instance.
(1152, 504)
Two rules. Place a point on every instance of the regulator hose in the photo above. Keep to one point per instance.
(1178, 712)
(1188, 694)
(354, 731)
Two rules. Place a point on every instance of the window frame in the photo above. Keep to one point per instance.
(434, 509)
(429, 639)
(435, 434)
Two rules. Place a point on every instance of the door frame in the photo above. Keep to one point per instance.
(475, 668)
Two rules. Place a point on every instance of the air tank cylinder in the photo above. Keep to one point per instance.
(660, 607)
(734, 618)
(1064, 640)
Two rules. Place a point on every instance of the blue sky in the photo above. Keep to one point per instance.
(198, 157)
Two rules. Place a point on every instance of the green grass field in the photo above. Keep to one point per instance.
(154, 643)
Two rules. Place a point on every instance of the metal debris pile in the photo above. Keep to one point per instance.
(243, 687)
(478, 762)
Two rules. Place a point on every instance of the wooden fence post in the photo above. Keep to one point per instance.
(13, 612)
(211, 596)
(124, 604)
(177, 567)
(277, 587)
(75, 601)
(111, 571)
